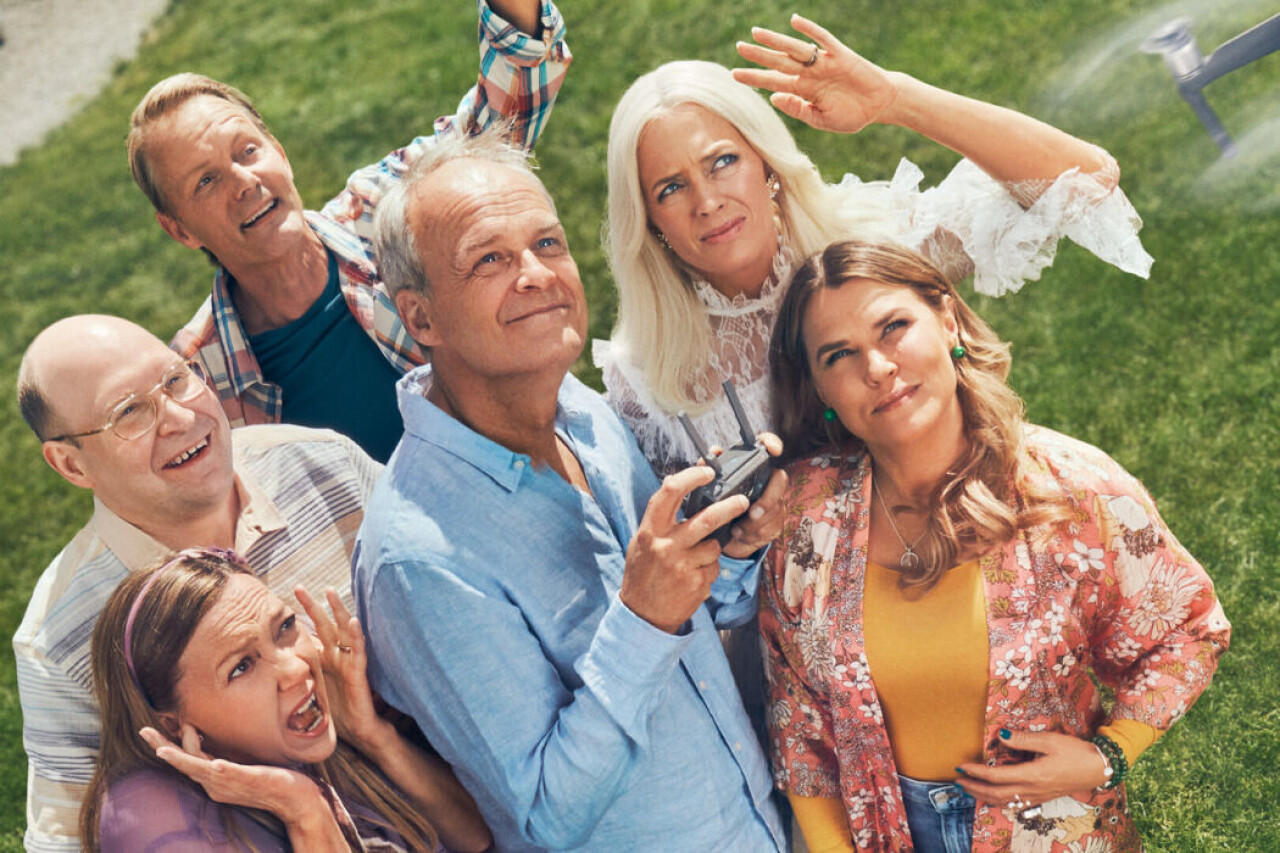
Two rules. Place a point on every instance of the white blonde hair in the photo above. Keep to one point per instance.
(659, 315)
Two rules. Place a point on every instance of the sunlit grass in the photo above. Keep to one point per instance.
(1175, 376)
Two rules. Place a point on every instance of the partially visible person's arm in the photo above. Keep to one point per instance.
(288, 794)
(1133, 737)
(823, 823)
(1156, 633)
(522, 66)
(526, 15)
(59, 728)
(520, 76)
(843, 92)
(1000, 214)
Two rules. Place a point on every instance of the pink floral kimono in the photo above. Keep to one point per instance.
(1113, 593)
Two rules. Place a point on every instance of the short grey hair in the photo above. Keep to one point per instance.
(399, 262)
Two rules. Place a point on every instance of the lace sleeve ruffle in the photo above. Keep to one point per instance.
(972, 223)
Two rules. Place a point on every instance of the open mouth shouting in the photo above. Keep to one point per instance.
(308, 716)
(187, 455)
(259, 214)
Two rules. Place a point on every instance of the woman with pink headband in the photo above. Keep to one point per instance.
(200, 650)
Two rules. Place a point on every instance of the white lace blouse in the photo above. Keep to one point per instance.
(969, 223)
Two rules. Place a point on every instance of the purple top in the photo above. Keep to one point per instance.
(154, 811)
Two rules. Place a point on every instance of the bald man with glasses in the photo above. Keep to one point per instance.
(119, 413)
(135, 414)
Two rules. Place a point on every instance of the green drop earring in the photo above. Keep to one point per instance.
(829, 415)
(958, 352)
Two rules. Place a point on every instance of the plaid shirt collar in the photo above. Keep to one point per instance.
(361, 287)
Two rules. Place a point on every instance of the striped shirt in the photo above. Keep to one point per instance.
(519, 79)
(302, 495)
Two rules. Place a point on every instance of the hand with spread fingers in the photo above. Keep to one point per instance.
(288, 794)
(344, 662)
(823, 83)
(1064, 765)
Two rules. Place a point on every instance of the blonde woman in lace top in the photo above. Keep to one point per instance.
(711, 204)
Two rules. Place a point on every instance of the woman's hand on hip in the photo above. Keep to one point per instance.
(1064, 765)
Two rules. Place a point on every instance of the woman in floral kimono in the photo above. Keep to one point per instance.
(949, 579)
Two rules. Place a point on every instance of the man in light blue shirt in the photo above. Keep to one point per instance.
(531, 595)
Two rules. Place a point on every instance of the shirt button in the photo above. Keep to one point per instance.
(702, 685)
(724, 573)
(518, 464)
(737, 744)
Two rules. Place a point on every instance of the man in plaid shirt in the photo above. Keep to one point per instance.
(298, 327)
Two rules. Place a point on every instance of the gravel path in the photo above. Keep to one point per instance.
(55, 57)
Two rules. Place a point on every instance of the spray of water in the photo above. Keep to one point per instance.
(1251, 178)
(1110, 86)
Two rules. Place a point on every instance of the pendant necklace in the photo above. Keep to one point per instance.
(910, 560)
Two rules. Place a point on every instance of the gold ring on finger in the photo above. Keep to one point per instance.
(813, 58)
(344, 648)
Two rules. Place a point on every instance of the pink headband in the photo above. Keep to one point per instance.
(185, 554)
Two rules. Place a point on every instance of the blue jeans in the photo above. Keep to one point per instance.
(940, 815)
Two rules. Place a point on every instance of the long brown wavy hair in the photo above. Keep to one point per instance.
(985, 499)
(185, 588)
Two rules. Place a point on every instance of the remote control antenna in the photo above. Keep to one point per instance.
(707, 458)
(744, 425)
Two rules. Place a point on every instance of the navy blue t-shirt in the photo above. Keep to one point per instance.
(332, 373)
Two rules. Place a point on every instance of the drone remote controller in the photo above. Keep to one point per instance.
(741, 470)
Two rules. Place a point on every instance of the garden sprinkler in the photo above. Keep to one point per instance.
(1193, 72)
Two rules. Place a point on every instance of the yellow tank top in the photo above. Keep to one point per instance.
(928, 658)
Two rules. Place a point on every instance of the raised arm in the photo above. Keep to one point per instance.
(1000, 214)
(526, 15)
(523, 60)
(835, 89)
(520, 75)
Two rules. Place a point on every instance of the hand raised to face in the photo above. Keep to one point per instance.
(344, 662)
(288, 794)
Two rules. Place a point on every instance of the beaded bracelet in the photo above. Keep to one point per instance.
(1117, 766)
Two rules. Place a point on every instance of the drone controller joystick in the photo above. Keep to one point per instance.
(741, 470)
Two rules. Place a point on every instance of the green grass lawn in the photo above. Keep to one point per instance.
(1175, 376)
